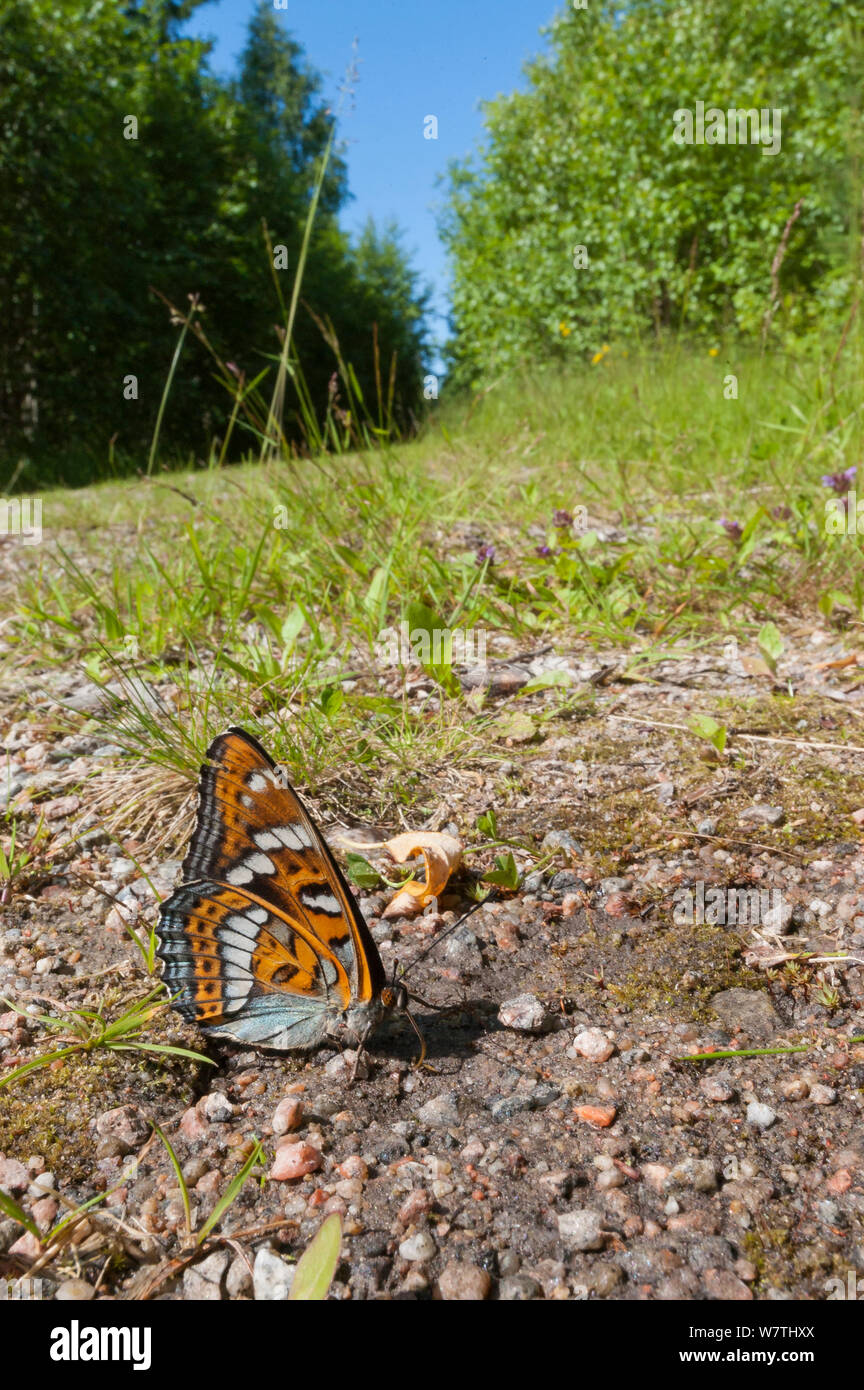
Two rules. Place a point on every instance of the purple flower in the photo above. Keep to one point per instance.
(484, 553)
(544, 551)
(840, 482)
(734, 529)
(560, 518)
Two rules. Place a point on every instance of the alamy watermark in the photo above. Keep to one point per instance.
(22, 516)
(440, 646)
(77, 1343)
(849, 1290)
(843, 516)
(720, 907)
(23, 1290)
(735, 126)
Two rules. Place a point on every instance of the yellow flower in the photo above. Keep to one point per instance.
(564, 330)
(712, 352)
(598, 357)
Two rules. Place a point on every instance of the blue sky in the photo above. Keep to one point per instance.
(416, 59)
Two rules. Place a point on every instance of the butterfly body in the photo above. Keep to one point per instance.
(263, 943)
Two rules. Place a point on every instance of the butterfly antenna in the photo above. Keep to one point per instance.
(449, 932)
(412, 1020)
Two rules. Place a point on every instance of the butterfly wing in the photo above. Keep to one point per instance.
(240, 971)
(263, 939)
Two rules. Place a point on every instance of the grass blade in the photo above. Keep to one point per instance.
(184, 1190)
(11, 1208)
(317, 1265)
(230, 1193)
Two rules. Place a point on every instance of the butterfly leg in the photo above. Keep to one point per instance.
(361, 1045)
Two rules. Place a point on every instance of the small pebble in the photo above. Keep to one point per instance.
(295, 1161)
(442, 1111)
(598, 1116)
(796, 1088)
(271, 1277)
(822, 1095)
(74, 1291)
(462, 1283)
(238, 1281)
(561, 839)
(764, 815)
(722, 1284)
(354, 1167)
(415, 1205)
(581, 1230)
(839, 1182)
(14, 1177)
(287, 1116)
(591, 1044)
(44, 1212)
(418, 1247)
(203, 1281)
(216, 1108)
(698, 1173)
(125, 1126)
(192, 1127)
(717, 1089)
(760, 1116)
(518, 1288)
(524, 1014)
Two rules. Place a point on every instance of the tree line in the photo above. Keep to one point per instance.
(660, 157)
(132, 179)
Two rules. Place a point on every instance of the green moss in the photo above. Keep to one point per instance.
(50, 1112)
(654, 983)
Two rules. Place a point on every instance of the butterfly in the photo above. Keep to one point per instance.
(263, 943)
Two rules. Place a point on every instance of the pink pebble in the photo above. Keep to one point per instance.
(192, 1127)
(295, 1161)
(593, 1045)
(43, 1212)
(210, 1183)
(839, 1182)
(27, 1246)
(416, 1204)
(353, 1167)
(288, 1115)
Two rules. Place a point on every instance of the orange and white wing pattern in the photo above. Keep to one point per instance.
(263, 942)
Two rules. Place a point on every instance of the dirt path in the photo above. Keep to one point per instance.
(560, 1146)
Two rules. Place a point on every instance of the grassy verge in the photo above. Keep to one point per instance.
(261, 591)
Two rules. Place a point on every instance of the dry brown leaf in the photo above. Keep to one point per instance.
(442, 855)
(755, 666)
(839, 665)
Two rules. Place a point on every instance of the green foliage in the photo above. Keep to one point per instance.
(708, 728)
(679, 236)
(505, 873)
(13, 857)
(317, 1265)
(87, 1030)
(98, 226)
(260, 624)
(10, 1208)
(361, 872)
(770, 644)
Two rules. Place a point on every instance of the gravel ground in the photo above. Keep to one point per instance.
(557, 1144)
